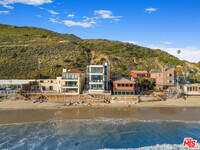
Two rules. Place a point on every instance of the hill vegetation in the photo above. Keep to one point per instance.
(21, 48)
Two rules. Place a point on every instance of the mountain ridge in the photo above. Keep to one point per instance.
(21, 47)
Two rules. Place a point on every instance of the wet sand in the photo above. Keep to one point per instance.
(20, 111)
(143, 113)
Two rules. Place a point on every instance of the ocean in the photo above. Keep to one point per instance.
(99, 133)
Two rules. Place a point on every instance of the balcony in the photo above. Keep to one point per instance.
(69, 90)
(70, 84)
(97, 81)
(70, 78)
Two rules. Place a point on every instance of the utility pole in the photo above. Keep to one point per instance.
(39, 62)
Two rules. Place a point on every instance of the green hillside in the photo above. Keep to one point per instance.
(21, 47)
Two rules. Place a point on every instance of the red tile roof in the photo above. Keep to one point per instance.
(74, 71)
(138, 71)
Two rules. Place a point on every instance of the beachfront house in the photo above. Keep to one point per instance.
(164, 77)
(137, 73)
(72, 82)
(12, 86)
(97, 79)
(191, 89)
(48, 85)
(143, 77)
(124, 86)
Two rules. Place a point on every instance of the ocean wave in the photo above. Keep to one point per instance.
(104, 121)
(123, 121)
(155, 147)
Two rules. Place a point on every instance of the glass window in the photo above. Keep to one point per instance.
(96, 87)
(97, 70)
(65, 90)
(122, 85)
(71, 76)
(41, 81)
(127, 85)
(132, 93)
(119, 93)
(127, 93)
(131, 85)
(71, 83)
(97, 78)
(188, 88)
(119, 85)
(50, 88)
(123, 93)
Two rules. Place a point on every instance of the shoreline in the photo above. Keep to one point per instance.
(30, 105)
(20, 111)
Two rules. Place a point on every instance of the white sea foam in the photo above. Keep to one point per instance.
(156, 147)
(105, 121)
(123, 121)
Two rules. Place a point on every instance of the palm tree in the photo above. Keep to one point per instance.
(178, 52)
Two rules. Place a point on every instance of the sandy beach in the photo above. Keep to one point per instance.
(27, 105)
(20, 111)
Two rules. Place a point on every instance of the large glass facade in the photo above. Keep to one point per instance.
(96, 78)
(124, 93)
(71, 83)
(96, 86)
(66, 90)
(97, 70)
(71, 76)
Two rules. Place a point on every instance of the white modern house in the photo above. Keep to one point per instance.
(97, 79)
(12, 86)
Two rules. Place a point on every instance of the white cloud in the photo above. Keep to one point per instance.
(150, 10)
(87, 22)
(117, 19)
(70, 15)
(38, 16)
(188, 53)
(53, 20)
(52, 12)
(106, 14)
(167, 43)
(4, 12)
(6, 3)
(132, 42)
(83, 23)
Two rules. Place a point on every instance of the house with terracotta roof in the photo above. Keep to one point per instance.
(124, 86)
(137, 73)
(141, 75)
(72, 82)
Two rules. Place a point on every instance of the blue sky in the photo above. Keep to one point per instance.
(160, 24)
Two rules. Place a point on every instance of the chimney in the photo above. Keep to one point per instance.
(64, 70)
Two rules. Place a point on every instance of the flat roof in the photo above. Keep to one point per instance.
(139, 71)
(74, 71)
(15, 81)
